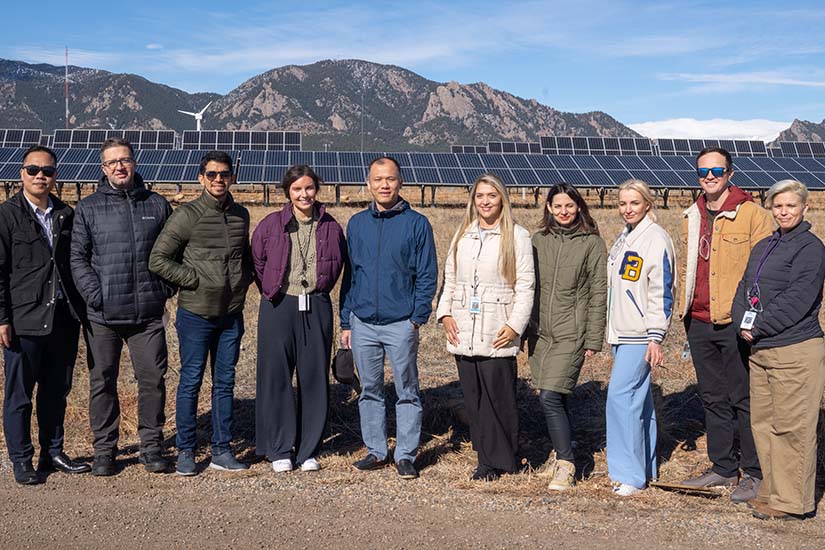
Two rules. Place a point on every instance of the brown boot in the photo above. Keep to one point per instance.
(763, 511)
(564, 476)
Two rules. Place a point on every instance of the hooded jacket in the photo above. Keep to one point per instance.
(475, 272)
(640, 285)
(736, 229)
(394, 269)
(204, 250)
(113, 234)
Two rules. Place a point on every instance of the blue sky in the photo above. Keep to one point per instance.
(669, 68)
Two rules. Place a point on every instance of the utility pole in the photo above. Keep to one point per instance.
(67, 87)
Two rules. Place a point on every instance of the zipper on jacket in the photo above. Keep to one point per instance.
(550, 301)
(475, 294)
(130, 204)
(378, 267)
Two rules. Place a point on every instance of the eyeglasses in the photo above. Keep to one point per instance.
(212, 175)
(33, 170)
(717, 172)
(114, 162)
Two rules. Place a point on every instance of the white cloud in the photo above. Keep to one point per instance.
(741, 81)
(154, 46)
(715, 128)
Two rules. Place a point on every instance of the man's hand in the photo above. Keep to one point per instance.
(654, 354)
(451, 329)
(5, 336)
(504, 337)
(345, 338)
(590, 353)
(746, 335)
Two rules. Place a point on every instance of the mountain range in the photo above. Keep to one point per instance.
(328, 101)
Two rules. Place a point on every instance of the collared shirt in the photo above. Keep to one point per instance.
(44, 218)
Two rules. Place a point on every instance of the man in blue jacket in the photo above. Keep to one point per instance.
(386, 296)
(114, 230)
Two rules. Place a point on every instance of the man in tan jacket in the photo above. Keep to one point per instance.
(718, 232)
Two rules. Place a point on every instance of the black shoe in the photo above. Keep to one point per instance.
(485, 473)
(104, 465)
(154, 462)
(24, 473)
(369, 462)
(62, 463)
(405, 469)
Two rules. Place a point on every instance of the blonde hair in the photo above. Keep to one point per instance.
(787, 186)
(642, 188)
(507, 246)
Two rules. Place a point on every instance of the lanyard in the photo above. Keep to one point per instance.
(753, 293)
(304, 251)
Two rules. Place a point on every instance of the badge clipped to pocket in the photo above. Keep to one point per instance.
(303, 302)
(475, 305)
(748, 320)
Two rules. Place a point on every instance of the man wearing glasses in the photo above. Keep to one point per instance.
(204, 250)
(114, 231)
(718, 232)
(39, 318)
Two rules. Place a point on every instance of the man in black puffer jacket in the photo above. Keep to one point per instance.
(114, 231)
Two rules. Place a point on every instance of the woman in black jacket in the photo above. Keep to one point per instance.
(777, 310)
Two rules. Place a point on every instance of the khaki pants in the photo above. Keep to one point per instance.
(786, 389)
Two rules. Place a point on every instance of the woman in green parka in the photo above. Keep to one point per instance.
(568, 313)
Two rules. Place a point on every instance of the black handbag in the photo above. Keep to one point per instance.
(343, 369)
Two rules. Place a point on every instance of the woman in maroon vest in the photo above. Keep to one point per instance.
(299, 253)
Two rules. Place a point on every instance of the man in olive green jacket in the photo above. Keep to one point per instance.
(204, 250)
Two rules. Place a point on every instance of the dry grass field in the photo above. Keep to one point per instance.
(444, 508)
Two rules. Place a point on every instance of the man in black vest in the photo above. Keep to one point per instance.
(39, 317)
(114, 231)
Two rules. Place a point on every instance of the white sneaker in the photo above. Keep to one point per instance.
(625, 490)
(310, 465)
(282, 465)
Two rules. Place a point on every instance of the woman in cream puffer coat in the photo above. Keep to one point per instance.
(485, 306)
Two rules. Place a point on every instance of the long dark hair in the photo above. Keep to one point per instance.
(583, 221)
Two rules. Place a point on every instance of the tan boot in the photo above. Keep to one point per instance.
(564, 477)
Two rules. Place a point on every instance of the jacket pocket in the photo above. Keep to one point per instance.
(735, 247)
(27, 250)
(634, 302)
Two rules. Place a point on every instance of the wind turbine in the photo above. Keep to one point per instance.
(198, 116)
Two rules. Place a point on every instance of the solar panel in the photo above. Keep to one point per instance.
(469, 161)
(15, 137)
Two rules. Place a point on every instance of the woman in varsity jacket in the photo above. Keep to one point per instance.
(640, 303)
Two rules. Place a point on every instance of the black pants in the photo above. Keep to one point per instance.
(288, 341)
(147, 348)
(721, 362)
(48, 362)
(557, 416)
(489, 386)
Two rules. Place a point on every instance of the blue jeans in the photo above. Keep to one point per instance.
(398, 342)
(631, 418)
(221, 339)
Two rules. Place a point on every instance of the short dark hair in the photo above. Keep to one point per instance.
(296, 172)
(116, 142)
(583, 219)
(719, 150)
(215, 156)
(382, 160)
(39, 149)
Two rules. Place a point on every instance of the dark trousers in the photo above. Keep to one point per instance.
(147, 348)
(557, 416)
(489, 386)
(48, 362)
(290, 341)
(220, 339)
(721, 362)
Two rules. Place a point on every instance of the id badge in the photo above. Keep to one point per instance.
(748, 320)
(303, 302)
(475, 305)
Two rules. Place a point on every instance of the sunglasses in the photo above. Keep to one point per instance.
(33, 170)
(211, 175)
(717, 172)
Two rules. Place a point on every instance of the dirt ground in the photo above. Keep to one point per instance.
(339, 507)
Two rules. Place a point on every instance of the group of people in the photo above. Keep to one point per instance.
(749, 296)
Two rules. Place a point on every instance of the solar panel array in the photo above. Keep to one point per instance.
(241, 139)
(481, 149)
(742, 148)
(79, 138)
(801, 149)
(576, 145)
(19, 138)
(513, 147)
(440, 169)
